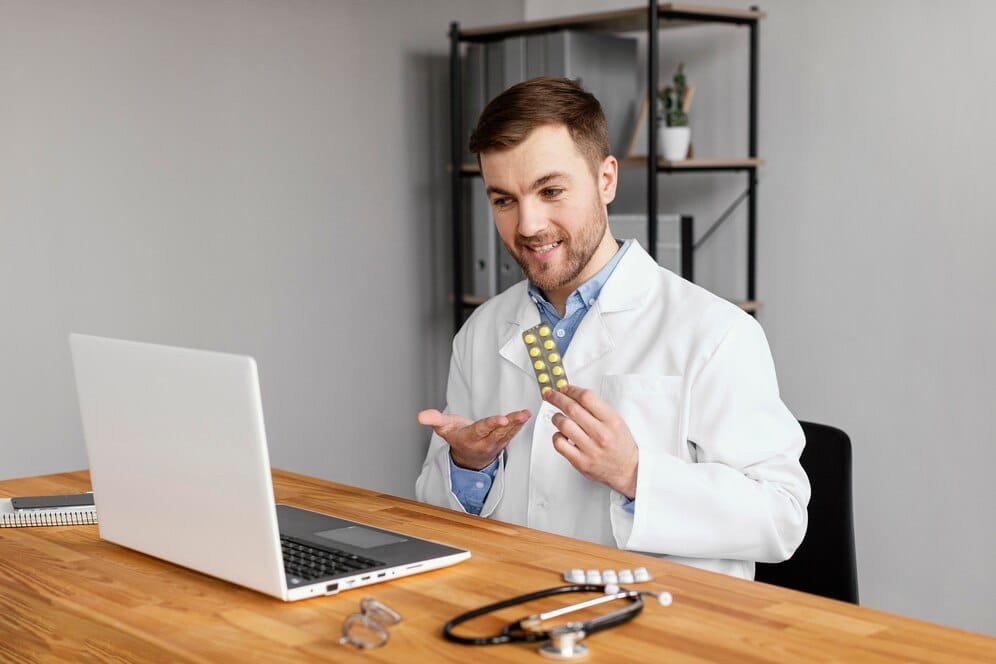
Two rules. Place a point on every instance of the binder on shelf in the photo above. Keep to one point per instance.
(507, 63)
(482, 242)
(478, 229)
(636, 146)
(605, 65)
(670, 247)
(50, 516)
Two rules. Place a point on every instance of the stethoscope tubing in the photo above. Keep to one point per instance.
(514, 632)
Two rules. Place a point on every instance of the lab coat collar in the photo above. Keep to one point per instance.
(522, 315)
(627, 288)
(629, 285)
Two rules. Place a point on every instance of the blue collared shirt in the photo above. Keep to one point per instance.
(471, 487)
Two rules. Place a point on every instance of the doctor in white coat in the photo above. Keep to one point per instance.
(671, 438)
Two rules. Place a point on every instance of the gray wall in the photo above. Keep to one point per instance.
(247, 176)
(876, 232)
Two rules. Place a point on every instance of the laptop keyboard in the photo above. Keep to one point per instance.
(307, 563)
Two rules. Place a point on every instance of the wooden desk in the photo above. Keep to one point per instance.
(65, 595)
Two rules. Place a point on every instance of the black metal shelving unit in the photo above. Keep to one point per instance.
(652, 18)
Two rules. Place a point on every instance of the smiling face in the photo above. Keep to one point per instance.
(550, 209)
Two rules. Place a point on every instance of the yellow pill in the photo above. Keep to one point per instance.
(544, 331)
(553, 357)
(545, 389)
(538, 364)
(529, 338)
(558, 371)
(543, 378)
(561, 383)
(549, 344)
(534, 352)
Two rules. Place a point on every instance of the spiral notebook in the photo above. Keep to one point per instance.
(53, 516)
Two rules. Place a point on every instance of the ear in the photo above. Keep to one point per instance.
(608, 178)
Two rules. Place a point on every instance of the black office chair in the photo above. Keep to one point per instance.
(825, 563)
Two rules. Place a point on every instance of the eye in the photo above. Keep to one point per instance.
(552, 192)
(501, 202)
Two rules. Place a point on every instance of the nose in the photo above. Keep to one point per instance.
(532, 220)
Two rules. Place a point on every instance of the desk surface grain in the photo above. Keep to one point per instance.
(66, 595)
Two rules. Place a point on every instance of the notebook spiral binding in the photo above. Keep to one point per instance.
(48, 518)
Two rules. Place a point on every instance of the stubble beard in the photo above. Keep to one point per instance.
(579, 249)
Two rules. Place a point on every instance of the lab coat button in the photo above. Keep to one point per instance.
(561, 333)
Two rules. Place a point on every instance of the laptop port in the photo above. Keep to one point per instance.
(382, 575)
(331, 587)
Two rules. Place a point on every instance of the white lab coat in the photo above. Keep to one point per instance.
(719, 484)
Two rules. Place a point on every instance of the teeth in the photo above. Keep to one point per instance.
(545, 248)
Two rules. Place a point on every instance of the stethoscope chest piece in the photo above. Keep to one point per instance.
(565, 643)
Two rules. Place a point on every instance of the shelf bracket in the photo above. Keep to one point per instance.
(726, 213)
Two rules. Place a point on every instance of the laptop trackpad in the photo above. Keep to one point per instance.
(360, 537)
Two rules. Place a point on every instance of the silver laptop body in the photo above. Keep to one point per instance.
(180, 471)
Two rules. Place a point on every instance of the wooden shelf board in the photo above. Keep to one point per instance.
(672, 14)
(473, 300)
(712, 164)
(663, 164)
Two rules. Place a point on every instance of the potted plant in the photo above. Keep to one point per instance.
(674, 134)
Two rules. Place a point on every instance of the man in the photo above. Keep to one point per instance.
(671, 437)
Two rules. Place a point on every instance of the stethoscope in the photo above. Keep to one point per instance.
(562, 641)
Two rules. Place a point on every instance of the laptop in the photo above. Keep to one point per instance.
(180, 471)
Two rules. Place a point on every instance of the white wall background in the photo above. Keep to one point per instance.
(268, 178)
(240, 175)
(876, 213)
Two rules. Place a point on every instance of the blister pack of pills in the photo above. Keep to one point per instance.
(609, 576)
(545, 357)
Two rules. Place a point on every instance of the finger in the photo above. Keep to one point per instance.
(571, 429)
(590, 400)
(430, 417)
(504, 432)
(577, 412)
(566, 450)
(507, 434)
(487, 426)
(442, 423)
(519, 416)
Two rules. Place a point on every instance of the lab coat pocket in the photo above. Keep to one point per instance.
(651, 406)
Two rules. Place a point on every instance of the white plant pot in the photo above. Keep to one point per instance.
(672, 142)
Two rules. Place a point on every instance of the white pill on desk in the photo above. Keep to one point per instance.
(574, 576)
(609, 576)
(641, 575)
(611, 589)
(593, 577)
(625, 576)
(665, 598)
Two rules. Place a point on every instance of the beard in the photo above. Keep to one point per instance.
(579, 249)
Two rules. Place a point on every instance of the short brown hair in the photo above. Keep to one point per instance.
(511, 116)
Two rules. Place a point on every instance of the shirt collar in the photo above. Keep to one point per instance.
(583, 296)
